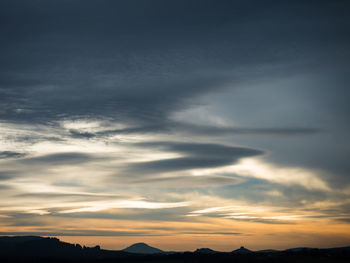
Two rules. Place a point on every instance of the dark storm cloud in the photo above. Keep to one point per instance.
(141, 61)
(195, 155)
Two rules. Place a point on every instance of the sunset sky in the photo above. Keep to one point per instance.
(182, 124)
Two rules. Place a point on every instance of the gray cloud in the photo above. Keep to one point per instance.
(6, 175)
(215, 130)
(5, 187)
(64, 232)
(10, 154)
(165, 214)
(71, 196)
(196, 155)
(185, 181)
(213, 233)
(27, 221)
(78, 134)
(60, 159)
(290, 196)
(199, 130)
(267, 221)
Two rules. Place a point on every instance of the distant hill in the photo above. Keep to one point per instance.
(205, 251)
(142, 248)
(268, 251)
(242, 250)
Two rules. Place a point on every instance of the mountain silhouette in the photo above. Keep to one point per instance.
(242, 250)
(36, 249)
(142, 248)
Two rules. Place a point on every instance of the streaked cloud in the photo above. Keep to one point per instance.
(125, 204)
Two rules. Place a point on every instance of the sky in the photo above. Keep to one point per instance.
(182, 124)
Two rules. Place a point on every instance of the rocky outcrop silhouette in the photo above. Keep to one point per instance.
(48, 247)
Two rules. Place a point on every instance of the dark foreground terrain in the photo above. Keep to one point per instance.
(39, 249)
